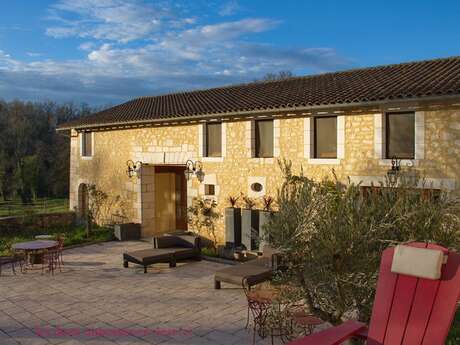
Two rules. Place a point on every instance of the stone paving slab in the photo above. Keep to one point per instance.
(94, 299)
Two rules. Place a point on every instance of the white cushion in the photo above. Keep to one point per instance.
(417, 262)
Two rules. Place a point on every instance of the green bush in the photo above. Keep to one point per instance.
(454, 335)
(332, 237)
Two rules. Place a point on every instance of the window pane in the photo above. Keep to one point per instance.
(264, 138)
(326, 137)
(400, 135)
(87, 147)
(213, 140)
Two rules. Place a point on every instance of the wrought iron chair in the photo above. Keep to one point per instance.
(51, 260)
(16, 257)
(258, 306)
(60, 248)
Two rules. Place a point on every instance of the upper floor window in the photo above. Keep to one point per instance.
(400, 135)
(86, 144)
(264, 138)
(325, 137)
(213, 144)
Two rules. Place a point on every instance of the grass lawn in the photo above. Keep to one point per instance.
(43, 205)
(73, 235)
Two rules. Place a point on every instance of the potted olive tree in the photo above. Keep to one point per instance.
(264, 218)
(232, 224)
(202, 217)
(249, 224)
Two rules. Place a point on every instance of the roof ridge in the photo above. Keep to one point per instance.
(308, 76)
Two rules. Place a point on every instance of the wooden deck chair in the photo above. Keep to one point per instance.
(416, 299)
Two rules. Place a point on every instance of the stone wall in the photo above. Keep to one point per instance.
(236, 170)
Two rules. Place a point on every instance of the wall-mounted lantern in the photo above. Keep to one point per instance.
(393, 173)
(194, 168)
(133, 168)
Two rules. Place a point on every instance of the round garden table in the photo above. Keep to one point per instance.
(34, 249)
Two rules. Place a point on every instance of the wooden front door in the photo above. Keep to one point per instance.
(170, 199)
(165, 203)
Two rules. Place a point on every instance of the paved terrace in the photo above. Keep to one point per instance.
(94, 291)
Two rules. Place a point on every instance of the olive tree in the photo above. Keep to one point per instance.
(202, 216)
(332, 236)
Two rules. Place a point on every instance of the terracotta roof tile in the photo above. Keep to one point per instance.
(440, 77)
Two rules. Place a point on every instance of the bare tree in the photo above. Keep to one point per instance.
(281, 75)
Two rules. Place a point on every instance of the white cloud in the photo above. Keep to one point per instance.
(33, 54)
(229, 8)
(6, 62)
(134, 48)
(103, 55)
(227, 30)
(116, 20)
(87, 46)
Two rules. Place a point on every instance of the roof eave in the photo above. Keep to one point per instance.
(337, 106)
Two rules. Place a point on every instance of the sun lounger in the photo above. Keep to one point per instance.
(167, 249)
(254, 271)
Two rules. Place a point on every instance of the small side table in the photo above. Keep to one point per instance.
(305, 321)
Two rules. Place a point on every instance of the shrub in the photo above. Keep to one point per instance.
(249, 203)
(333, 235)
(202, 216)
(454, 334)
(233, 200)
(72, 235)
(267, 202)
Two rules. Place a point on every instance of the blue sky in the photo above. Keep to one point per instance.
(107, 51)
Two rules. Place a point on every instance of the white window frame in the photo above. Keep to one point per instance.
(209, 179)
(309, 142)
(202, 143)
(81, 146)
(251, 140)
(380, 139)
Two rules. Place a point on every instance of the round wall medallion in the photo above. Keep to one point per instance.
(257, 187)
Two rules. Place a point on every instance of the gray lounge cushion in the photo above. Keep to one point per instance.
(188, 241)
(167, 241)
(147, 255)
(254, 273)
(181, 252)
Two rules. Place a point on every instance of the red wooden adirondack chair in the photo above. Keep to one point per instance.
(407, 310)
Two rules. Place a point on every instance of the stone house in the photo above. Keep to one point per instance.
(352, 122)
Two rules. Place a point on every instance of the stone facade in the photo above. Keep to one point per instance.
(359, 137)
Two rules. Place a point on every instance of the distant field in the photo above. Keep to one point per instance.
(45, 205)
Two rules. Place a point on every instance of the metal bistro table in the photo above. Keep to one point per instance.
(34, 250)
